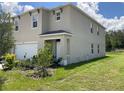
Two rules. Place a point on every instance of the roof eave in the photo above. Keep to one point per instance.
(32, 10)
(56, 34)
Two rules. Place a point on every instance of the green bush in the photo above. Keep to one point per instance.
(56, 62)
(45, 56)
(34, 60)
(45, 59)
(16, 63)
(26, 65)
(9, 58)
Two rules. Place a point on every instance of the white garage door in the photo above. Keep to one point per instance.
(27, 50)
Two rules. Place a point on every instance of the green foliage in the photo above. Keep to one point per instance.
(98, 75)
(56, 62)
(9, 58)
(6, 37)
(114, 40)
(40, 72)
(34, 60)
(16, 63)
(45, 56)
(26, 64)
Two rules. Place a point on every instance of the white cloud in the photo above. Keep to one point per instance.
(14, 8)
(27, 7)
(92, 8)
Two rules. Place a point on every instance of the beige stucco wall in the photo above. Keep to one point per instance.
(63, 23)
(26, 33)
(72, 21)
(45, 21)
(82, 38)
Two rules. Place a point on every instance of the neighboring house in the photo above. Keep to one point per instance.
(75, 36)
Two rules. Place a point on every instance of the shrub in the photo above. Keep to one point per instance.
(9, 61)
(26, 65)
(34, 60)
(45, 59)
(39, 73)
(45, 56)
(9, 57)
(16, 63)
(56, 62)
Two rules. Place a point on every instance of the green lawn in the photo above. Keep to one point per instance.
(100, 74)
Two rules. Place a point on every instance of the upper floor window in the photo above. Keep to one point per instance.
(91, 27)
(34, 21)
(97, 30)
(58, 15)
(16, 25)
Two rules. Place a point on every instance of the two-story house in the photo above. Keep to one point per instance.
(74, 35)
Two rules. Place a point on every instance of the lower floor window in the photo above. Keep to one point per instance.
(98, 48)
(16, 28)
(34, 24)
(92, 51)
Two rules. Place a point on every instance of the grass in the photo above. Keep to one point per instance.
(100, 74)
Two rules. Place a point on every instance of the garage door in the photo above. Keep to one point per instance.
(27, 50)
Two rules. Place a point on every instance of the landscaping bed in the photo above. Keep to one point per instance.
(100, 74)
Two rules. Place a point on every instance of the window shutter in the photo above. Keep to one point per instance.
(53, 12)
(30, 13)
(38, 10)
(61, 10)
(19, 17)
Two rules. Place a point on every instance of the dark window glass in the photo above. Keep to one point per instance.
(91, 30)
(91, 45)
(98, 48)
(92, 51)
(58, 18)
(58, 14)
(16, 28)
(35, 24)
(97, 32)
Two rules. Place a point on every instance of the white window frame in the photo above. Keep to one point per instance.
(58, 11)
(37, 16)
(91, 27)
(97, 30)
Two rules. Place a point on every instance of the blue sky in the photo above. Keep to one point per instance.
(44, 4)
(109, 14)
(108, 10)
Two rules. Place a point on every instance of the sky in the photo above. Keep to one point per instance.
(109, 14)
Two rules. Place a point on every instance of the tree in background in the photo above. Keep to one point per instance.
(114, 40)
(6, 37)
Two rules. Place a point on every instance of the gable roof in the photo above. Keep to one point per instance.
(32, 10)
(69, 4)
(81, 11)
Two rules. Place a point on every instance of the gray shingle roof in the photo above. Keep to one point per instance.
(55, 32)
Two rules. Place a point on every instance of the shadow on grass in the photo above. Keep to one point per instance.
(74, 65)
(2, 80)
